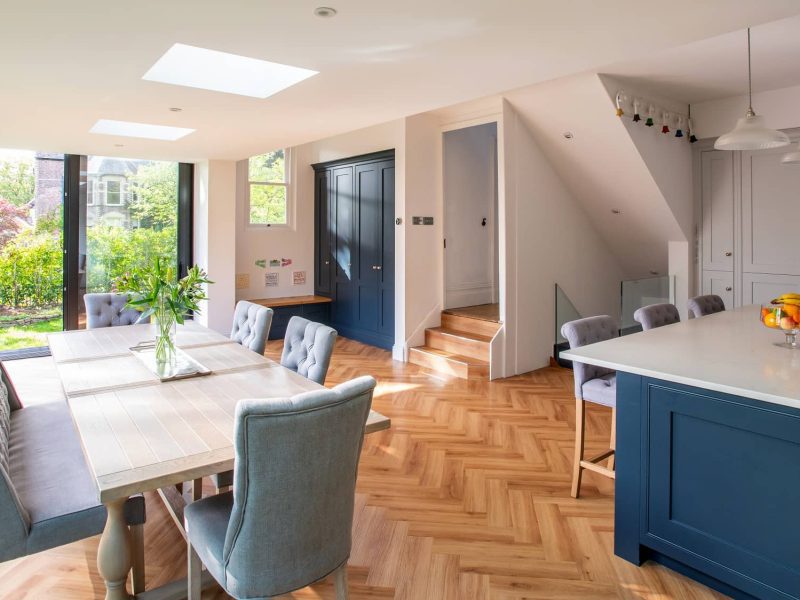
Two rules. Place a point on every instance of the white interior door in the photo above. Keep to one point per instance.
(470, 213)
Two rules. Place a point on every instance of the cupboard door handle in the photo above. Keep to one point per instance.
(728, 289)
(729, 254)
(327, 262)
(378, 267)
(373, 267)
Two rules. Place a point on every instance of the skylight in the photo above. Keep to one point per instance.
(223, 72)
(139, 130)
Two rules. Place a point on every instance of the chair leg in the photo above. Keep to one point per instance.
(612, 444)
(340, 583)
(194, 574)
(580, 426)
(137, 556)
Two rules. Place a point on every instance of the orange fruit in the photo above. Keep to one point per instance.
(771, 320)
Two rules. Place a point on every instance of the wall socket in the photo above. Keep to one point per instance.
(242, 281)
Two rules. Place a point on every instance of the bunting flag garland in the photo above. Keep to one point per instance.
(679, 127)
(678, 123)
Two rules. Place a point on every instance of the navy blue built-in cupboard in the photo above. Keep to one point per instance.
(354, 245)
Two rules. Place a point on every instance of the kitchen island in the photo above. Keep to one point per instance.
(708, 451)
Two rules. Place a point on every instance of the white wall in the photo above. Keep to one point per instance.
(548, 239)
(214, 234)
(779, 108)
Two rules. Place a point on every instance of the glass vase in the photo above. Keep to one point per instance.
(165, 327)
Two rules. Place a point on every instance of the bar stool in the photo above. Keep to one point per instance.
(700, 306)
(657, 315)
(592, 384)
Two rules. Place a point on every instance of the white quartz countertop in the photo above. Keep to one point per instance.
(730, 352)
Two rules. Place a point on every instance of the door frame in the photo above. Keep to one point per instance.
(494, 224)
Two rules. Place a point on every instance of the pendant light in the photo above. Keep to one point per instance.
(750, 132)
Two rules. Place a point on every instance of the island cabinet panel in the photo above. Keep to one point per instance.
(718, 486)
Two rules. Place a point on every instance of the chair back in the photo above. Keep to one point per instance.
(295, 472)
(108, 310)
(307, 348)
(700, 306)
(657, 315)
(251, 323)
(14, 519)
(583, 332)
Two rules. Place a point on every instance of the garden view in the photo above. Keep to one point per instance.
(131, 217)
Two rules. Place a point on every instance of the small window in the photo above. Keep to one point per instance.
(113, 193)
(268, 189)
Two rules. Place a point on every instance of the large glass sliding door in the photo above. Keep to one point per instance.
(31, 247)
(128, 218)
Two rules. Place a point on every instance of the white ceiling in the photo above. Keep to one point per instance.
(65, 65)
(717, 67)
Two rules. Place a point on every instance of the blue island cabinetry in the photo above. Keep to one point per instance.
(708, 483)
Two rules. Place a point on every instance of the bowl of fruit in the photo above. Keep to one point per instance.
(783, 313)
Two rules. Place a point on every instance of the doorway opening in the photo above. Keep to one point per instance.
(471, 263)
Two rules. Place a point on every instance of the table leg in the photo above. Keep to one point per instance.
(114, 552)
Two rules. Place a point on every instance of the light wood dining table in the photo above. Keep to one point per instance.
(140, 434)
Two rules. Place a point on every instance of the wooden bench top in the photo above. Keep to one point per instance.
(291, 301)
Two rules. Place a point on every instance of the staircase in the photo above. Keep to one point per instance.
(460, 347)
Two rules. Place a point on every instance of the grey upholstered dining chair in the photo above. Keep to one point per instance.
(700, 306)
(251, 323)
(657, 315)
(307, 348)
(108, 310)
(592, 384)
(287, 523)
(48, 496)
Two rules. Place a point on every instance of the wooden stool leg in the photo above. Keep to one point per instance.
(340, 583)
(580, 425)
(613, 442)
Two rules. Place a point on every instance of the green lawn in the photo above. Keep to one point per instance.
(27, 336)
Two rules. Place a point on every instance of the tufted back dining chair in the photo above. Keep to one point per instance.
(251, 323)
(700, 306)
(288, 521)
(657, 315)
(592, 384)
(108, 310)
(307, 348)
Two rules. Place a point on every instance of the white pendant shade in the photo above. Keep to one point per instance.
(793, 157)
(750, 133)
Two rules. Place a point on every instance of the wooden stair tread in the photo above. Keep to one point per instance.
(468, 360)
(462, 334)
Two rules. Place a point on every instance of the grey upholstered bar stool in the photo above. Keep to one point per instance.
(592, 384)
(108, 310)
(251, 323)
(48, 496)
(287, 523)
(657, 315)
(700, 306)
(307, 348)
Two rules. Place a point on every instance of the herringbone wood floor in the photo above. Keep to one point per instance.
(466, 497)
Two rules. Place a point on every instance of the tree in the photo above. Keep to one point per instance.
(154, 201)
(17, 181)
(10, 220)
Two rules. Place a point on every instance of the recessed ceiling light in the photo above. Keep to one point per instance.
(325, 11)
(568, 135)
(616, 211)
(139, 130)
(175, 109)
(119, 145)
(222, 72)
